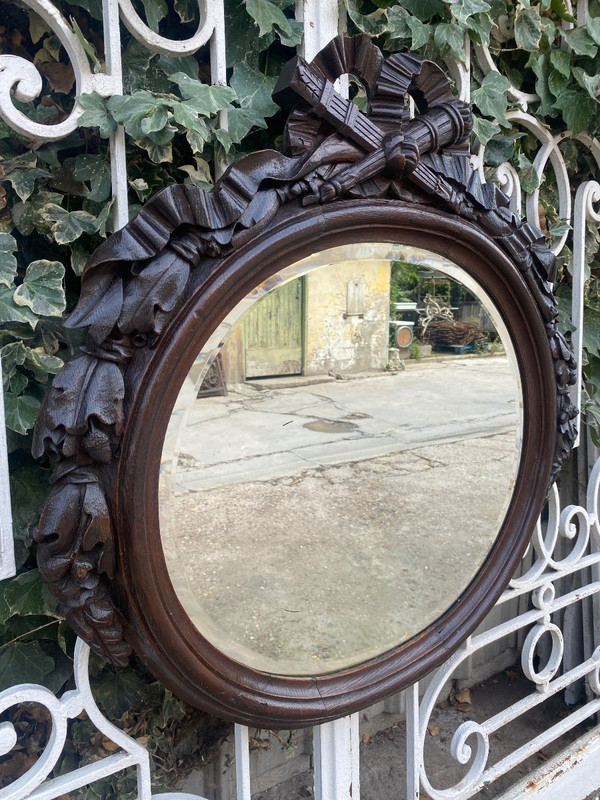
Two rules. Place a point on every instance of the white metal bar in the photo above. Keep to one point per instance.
(336, 754)
(242, 762)
(321, 24)
(218, 67)
(7, 544)
(587, 194)
(414, 753)
(114, 67)
(118, 175)
(83, 776)
(539, 742)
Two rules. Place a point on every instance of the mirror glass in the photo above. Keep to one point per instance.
(340, 458)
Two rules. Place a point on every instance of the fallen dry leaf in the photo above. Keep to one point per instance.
(366, 737)
(60, 76)
(434, 730)
(461, 700)
(109, 745)
(258, 744)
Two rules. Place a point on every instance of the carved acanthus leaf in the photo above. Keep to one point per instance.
(154, 292)
(83, 405)
(75, 551)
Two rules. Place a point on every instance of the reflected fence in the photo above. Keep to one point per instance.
(547, 620)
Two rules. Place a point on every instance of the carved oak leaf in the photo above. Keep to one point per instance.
(75, 544)
(85, 396)
(154, 292)
(105, 282)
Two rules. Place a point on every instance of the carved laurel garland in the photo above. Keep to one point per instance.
(134, 280)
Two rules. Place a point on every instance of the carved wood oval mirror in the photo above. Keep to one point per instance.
(282, 527)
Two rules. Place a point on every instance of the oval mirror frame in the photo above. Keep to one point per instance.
(155, 292)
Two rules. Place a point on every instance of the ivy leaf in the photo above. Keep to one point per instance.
(24, 662)
(557, 82)
(11, 312)
(490, 98)
(560, 8)
(20, 412)
(239, 122)
(559, 227)
(28, 488)
(377, 23)
(23, 181)
(424, 9)
(155, 11)
(198, 174)
(42, 289)
(591, 83)
(88, 47)
(540, 65)
(131, 112)
(66, 225)
(185, 10)
(42, 364)
(561, 61)
(119, 693)
(155, 121)
(159, 153)
(254, 94)
(485, 131)
(580, 42)
(95, 114)
(593, 28)
(37, 28)
(528, 29)
(254, 90)
(188, 116)
(269, 18)
(172, 64)
(96, 170)
(449, 38)
(13, 355)
(420, 32)
(208, 99)
(480, 27)
(101, 224)
(196, 140)
(578, 110)
(18, 383)
(527, 175)
(22, 172)
(24, 595)
(463, 9)
(8, 263)
(223, 137)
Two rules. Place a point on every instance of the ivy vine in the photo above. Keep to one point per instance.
(55, 208)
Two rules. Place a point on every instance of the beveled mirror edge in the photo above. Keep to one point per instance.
(252, 692)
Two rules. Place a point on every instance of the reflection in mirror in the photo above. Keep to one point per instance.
(340, 458)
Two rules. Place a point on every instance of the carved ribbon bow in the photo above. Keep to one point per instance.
(397, 153)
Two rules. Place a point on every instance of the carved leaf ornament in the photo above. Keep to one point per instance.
(332, 154)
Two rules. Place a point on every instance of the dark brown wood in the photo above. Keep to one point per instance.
(155, 291)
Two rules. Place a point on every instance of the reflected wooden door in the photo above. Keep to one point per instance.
(273, 333)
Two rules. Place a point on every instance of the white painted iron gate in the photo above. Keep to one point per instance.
(560, 577)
